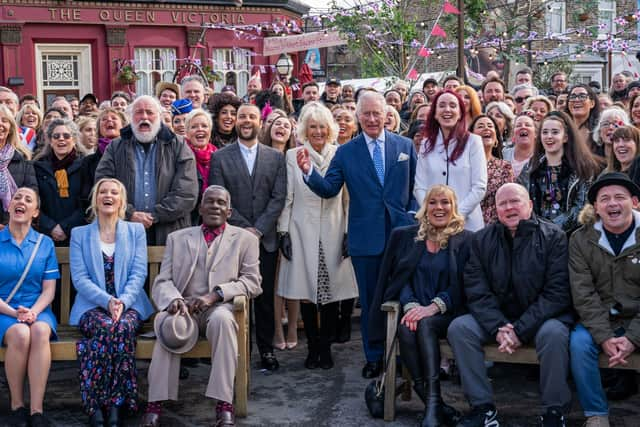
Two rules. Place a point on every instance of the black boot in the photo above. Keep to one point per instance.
(419, 388)
(328, 321)
(325, 359)
(114, 417)
(343, 331)
(430, 352)
(313, 356)
(309, 314)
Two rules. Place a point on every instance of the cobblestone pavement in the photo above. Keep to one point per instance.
(295, 396)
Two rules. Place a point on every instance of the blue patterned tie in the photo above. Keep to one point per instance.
(377, 161)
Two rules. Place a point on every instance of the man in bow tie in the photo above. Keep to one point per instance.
(378, 168)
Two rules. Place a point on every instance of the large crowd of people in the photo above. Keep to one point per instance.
(493, 214)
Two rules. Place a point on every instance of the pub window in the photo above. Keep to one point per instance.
(606, 16)
(555, 18)
(153, 65)
(233, 66)
(60, 71)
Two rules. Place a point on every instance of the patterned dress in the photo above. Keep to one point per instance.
(499, 172)
(108, 376)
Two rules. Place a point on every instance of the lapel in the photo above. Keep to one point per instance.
(193, 243)
(122, 246)
(257, 163)
(362, 152)
(96, 253)
(239, 163)
(226, 239)
(390, 155)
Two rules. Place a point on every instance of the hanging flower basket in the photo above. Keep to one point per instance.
(583, 16)
(127, 75)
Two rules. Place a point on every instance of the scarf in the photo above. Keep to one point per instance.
(60, 171)
(321, 160)
(222, 139)
(203, 161)
(8, 186)
(102, 144)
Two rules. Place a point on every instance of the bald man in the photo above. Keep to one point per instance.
(517, 287)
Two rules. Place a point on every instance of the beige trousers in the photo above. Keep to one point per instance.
(221, 330)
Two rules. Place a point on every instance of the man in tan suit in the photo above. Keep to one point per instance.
(203, 269)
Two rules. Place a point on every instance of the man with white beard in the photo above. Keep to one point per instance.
(157, 169)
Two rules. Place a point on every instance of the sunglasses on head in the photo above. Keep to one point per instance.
(521, 99)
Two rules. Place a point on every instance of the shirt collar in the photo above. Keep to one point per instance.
(5, 235)
(369, 140)
(248, 150)
(210, 234)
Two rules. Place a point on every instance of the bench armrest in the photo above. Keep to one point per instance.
(391, 307)
(239, 303)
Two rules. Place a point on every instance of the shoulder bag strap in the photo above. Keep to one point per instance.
(26, 270)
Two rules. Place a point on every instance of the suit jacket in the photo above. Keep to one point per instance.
(399, 263)
(373, 209)
(257, 199)
(130, 269)
(234, 268)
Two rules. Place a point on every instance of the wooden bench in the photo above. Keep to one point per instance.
(525, 355)
(65, 347)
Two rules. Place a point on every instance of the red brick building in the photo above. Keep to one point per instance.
(67, 47)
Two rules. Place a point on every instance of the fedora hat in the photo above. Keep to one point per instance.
(177, 333)
(612, 178)
(160, 86)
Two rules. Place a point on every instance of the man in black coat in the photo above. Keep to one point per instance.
(255, 176)
(517, 288)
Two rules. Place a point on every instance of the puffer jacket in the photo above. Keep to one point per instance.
(176, 178)
(601, 280)
(525, 275)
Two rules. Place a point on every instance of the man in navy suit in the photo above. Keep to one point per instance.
(378, 168)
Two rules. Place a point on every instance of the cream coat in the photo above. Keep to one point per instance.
(307, 217)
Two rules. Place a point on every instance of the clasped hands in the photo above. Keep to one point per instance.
(507, 339)
(116, 307)
(416, 314)
(618, 349)
(193, 305)
(26, 315)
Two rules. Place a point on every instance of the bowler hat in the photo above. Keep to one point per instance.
(91, 97)
(181, 106)
(162, 86)
(177, 333)
(612, 178)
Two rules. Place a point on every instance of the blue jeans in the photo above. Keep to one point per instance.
(586, 373)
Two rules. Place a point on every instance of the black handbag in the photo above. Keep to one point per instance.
(374, 393)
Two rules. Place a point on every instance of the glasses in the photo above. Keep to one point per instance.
(61, 136)
(578, 97)
(521, 99)
(559, 81)
(609, 124)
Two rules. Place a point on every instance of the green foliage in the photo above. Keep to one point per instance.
(543, 73)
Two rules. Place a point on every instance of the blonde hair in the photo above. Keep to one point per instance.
(396, 116)
(93, 208)
(318, 112)
(13, 138)
(32, 107)
(197, 112)
(104, 112)
(455, 226)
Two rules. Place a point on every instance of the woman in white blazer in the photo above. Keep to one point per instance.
(108, 267)
(450, 155)
(314, 268)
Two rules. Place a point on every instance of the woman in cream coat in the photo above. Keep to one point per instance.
(315, 268)
(451, 155)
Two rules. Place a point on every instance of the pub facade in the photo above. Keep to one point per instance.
(71, 48)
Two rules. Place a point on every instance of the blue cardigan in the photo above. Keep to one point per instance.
(130, 269)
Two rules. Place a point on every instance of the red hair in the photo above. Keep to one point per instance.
(431, 128)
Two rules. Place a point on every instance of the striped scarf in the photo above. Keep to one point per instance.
(8, 186)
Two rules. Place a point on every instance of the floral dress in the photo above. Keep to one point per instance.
(108, 376)
(499, 172)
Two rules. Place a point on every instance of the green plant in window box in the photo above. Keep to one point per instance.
(211, 75)
(127, 75)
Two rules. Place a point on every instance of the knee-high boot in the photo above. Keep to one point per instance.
(430, 346)
(309, 313)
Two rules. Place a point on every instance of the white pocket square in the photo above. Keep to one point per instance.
(403, 157)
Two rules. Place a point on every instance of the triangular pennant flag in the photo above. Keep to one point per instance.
(449, 8)
(413, 74)
(200, 46)
(423, 52)
(438, 31)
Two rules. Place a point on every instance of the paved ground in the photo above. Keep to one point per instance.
(295, 396)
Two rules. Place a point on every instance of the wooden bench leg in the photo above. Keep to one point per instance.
(406, 385)
(242, 373)
(390, 378)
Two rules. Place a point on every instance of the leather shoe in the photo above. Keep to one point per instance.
(150, 420)
(225, 419)
(269, 362)
(371, 369)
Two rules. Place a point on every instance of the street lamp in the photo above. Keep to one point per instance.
(284, 66)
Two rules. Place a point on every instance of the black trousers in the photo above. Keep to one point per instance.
(263, 305)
